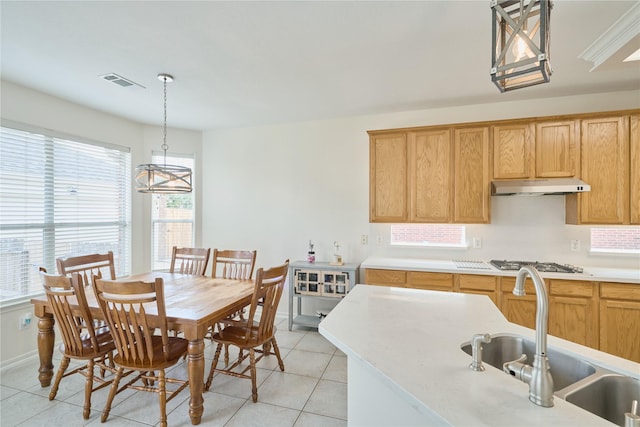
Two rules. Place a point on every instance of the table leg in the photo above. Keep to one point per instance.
(195, 366)
(46, 339)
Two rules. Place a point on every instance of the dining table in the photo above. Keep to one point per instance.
(194, 304)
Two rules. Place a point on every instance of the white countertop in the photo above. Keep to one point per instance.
(449, 266)
(411, 340)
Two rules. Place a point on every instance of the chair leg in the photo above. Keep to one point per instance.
(226, 355)
(162, 394)
(254, 388)
(112, 392)
(214, 364)
(88, 388)
(64, 364)
(276, 351)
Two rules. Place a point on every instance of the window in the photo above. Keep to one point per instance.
(58, 198)
(623, 240)
(451, 235)
(172, 217)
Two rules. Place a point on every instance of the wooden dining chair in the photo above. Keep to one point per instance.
(141, 340)
(79, 338)
(233, 264)
(101, 265)
(190, 260)
(257, 333)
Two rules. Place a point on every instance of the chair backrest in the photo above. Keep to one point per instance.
(73, 325)
(266, 294)
(124, 306)
(88, 266)
(190, 260)
(232, 264)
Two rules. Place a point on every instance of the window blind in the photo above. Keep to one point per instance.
(59, 198)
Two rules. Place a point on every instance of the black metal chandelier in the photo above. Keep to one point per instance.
(520, 43)
(163, 178)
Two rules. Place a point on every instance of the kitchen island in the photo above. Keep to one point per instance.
(406, 366)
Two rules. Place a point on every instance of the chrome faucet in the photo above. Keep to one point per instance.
(537, 376)
(476, 350)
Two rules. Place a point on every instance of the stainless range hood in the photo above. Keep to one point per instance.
(538, 187)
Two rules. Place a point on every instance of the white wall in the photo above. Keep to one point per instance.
(20, 104)
(272, 188)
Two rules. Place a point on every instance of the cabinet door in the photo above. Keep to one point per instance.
(381, 277)
(430, 281)
(388, 178)
(512, 151)
(471, 175)
(520, 310)
(605, 166)
(430, 180)
(573, 311)
(635, 169)
(482, 285)
(556, 149)
(620, 320)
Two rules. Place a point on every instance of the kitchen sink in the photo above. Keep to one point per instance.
(609, 396)
(565, 369)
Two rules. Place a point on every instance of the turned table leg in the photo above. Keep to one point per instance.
(46, 339)
(195, 366)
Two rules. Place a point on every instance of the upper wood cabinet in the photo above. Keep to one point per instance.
(471, 175)
(556, 149)
(634, 190)
(388, 189)
(430, 177)
(604, 147)
(512, 148)
(423, 176)
(530, 150)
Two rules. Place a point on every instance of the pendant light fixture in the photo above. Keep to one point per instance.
(163, 178)
(520, 43)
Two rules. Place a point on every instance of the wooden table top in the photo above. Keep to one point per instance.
(193, 303)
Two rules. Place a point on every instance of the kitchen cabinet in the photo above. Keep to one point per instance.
(511, 148)
(528, 150)
(620, 319)
(634, 187)
(518, 309)
(430, 177)
(410, 279)
(318, 281)
(426, 175)
(471, 189)
(573, 311)
(430, 281)
(604, 148)
(482, 285)
(388, 184)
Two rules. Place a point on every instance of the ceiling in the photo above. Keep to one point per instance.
(254, 63)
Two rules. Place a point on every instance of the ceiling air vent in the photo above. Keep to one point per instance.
(119, 80)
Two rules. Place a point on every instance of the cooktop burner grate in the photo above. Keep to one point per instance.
(543, 267)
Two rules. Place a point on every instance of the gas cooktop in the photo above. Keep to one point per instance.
(543, 267)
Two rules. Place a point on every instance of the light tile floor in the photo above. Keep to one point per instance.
(312, 391)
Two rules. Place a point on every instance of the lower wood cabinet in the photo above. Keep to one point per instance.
(380, 277)
(430, 281)
(620, 319)
(482, 285)
(519, 310)
(573, 311)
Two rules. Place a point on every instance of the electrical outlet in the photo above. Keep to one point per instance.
(364, 239)
(25, 321)
(379, 239)
(477, 242)
(575, 245)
